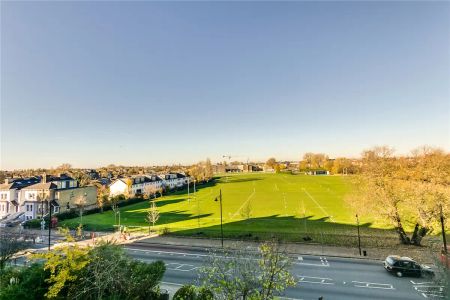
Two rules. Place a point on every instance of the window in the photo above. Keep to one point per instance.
(56, 209)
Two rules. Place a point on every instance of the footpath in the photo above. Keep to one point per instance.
(422, 254)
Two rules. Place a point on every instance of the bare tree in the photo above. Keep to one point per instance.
(271, 162)
(246, 211)
(10, 244)
(152, 215)
(247, 273)
(150, 191)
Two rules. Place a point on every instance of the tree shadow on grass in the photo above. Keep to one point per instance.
(235, 180)
(294, 229)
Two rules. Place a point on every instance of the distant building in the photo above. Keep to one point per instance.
(246, 168)
(135, 185)
(174, 180)
(318, 172)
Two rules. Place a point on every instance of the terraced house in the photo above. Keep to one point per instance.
(10, 192)
(34, 199)
(142, 184)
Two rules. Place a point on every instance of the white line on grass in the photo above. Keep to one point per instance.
(245, 202)
(317, 203)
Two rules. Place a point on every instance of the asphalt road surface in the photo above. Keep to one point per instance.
(331, 278)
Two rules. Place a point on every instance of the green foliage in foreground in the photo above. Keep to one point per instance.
(72, 272)
(191, 292)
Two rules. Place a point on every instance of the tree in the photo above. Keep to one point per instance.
(275, 265)
(231, 274)
(247, 274)
(150, 191)
(405, 189)
(208, 169)
(246, 211)
(152, 215)
(271, 162)
(10, 244)
(24, 283)
(64, 264)
(64, 167)
(129, 192)
(191, 292)
(308, 160)
(380, 191)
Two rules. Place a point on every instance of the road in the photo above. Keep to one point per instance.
(331, 278)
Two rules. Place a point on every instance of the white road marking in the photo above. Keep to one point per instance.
(318, 205)
(373, 285)
(323, 262)
(317, 280)
(170, 252)
(428, 289)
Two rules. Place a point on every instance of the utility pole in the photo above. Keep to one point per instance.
(444, 240)
(221, 215)
(49, 223)
(359, 237)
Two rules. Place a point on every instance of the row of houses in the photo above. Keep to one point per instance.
(142, 184)
(33, 197)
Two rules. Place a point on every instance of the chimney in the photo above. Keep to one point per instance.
(44, 178)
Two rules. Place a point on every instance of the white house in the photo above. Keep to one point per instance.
(135, 185)
(174, 180)
(10, 194)
(31, 197)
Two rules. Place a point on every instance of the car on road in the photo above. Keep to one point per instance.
(405, 266)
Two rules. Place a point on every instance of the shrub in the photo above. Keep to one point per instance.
(31, 283)
(186, 292)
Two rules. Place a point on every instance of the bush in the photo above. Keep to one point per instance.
(190, 292)
(31, 283)
(204, 294)
(186, 292)
(35, 223)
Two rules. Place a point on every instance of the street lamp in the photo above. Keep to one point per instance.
(359, 238)
(444, 240)
(49, 223)
(221, 218)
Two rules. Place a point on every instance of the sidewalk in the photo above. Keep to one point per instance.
(421, 254)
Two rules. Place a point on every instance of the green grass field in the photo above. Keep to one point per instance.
(290, 206)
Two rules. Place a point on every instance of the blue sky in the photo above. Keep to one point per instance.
(143, 83)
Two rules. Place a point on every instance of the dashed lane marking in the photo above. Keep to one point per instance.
(373, 285)
(316, 280)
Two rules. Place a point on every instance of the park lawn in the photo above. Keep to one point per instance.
(281, 204)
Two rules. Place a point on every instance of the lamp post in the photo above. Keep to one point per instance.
(359, 237)
(221, 218)
(49, 223)
(444, 240)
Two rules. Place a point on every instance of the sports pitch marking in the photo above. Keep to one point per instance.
(245, 202)
(318, 205)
